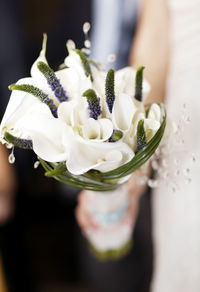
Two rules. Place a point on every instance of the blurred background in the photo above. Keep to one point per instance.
(41, 246)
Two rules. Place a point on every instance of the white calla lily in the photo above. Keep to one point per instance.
(35, 72)
(85, 156)
(33, 120)
(73, 61)
(48, 136)
(125, 82)
(73, 83)
(20, 106)
(76, 116)
(123, 112)
(152, 122)
(97, 130)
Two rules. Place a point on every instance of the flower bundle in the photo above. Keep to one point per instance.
(90, 129)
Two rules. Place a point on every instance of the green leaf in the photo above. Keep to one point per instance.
(77, 181)
(138, 83)
(21, 143)
(58, 170)
(85, 63)
(141, 137)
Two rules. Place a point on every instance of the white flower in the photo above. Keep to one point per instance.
(85, 156)
(75, 115)
(27, 118)
(89, 148)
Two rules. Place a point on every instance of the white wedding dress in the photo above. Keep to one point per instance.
(176, 214)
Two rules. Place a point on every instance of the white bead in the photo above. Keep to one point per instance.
(152, 183)
(71, 44)
(111, 58)
(87, 44)
(86, 51)
(86, 27)
(9, 146)
(11, 158)
(36, 164)
(155, 165)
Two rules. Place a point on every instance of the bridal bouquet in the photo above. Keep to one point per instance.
(90, 130)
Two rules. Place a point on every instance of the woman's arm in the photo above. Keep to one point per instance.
(151, 46)
(7, 186)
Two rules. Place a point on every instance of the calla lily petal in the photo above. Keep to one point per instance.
(35, 72)
(69, 78)
(39, 84)
(73, 61)
(151, 124)
(91, 130)
(125, 82)
(21, 105)
(97, 130)
(65, 113)
(123, 112)
(85, 156)
(154, 112)
(46, 133)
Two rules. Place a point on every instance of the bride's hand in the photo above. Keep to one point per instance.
(87, 221)
(83, 216)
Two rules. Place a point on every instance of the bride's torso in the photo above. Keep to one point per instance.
(176, 215)
(183, 89)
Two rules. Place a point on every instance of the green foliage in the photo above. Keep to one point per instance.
(85, 63)
(141, 137)
(21, 143)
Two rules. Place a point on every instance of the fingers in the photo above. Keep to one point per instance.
(83, 216)
(134, 189)
(132, 212)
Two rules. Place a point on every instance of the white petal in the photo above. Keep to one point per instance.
(154, 112)
(72, 113)
(151, 124)
(91, 129)
(125, 82)
(99, 81)
(97, 130)
(42, 85)
(106, 129)
(19, 106)
(81, 113)
(85, 156)
(123, 112)
(65, 113)
(74, 61)
(74, 83)
(35, 72)
(47, 135)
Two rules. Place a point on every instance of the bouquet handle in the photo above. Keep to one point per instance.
(113, 237)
